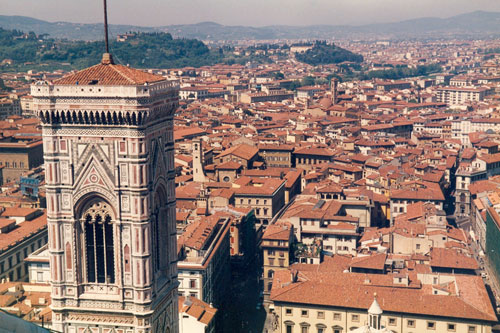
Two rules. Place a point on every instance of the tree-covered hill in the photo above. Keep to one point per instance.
(323, 53)
(143, 50)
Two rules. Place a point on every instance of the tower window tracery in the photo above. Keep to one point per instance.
(99, 243)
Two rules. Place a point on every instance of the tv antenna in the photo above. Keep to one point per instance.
(106, 26)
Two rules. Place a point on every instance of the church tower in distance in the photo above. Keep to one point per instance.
(109, 171)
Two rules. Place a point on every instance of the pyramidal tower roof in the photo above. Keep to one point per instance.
(107, 73)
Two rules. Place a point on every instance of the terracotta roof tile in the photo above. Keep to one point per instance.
(109, 75)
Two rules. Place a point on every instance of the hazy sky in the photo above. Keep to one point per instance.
(242, 12)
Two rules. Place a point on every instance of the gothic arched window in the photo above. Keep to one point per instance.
(99, 247)
(159, 228)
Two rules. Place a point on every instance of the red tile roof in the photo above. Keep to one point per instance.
(355, 291)
(23, 230)
(109, 75)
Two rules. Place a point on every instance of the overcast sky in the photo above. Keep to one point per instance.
(242, 12)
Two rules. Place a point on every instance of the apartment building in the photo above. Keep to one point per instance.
(265, 195)
(461, 95)
(22, 232)
(276, 248)
(204, 259)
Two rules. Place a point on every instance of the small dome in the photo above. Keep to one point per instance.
(375, 308)
(325, 102)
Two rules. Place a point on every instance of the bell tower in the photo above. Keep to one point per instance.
(109, 163)
(334, 83)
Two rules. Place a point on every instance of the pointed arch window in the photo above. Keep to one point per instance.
(99, 243)
(159, 231)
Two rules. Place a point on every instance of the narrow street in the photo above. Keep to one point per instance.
(490, 281)
(244, 312)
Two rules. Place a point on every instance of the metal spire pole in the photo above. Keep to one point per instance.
(106, 26)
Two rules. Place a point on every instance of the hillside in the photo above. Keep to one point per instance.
(477, 24)
(146, 50)
(323, 53)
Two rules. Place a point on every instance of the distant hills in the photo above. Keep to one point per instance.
(479, 24)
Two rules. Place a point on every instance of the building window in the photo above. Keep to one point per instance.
(288, 312)
(192, 283)
(304, 329)
(355, 317)
(431, 325)
(337, 316)
(126, 257)
(321, 314)
(304, 313)
(99, 247)
(451, 327)
(289, 326)
(410, 323)
(392, 321)
(39, 276)
(472, 329)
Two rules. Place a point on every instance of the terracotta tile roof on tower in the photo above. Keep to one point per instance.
(109, 75)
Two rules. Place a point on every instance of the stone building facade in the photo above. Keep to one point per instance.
(109, 161)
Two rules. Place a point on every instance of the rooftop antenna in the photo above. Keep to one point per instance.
(106, 26)
(107, 59)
